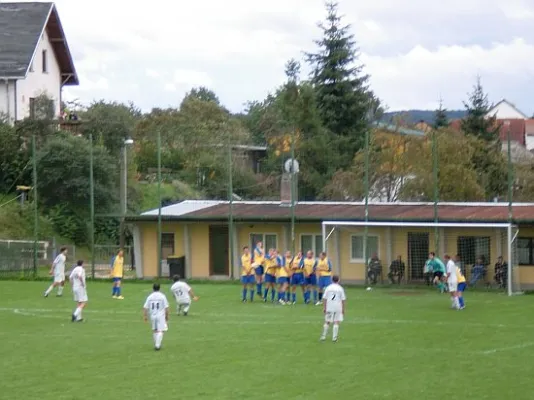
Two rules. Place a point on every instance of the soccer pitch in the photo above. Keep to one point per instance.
(392, 345)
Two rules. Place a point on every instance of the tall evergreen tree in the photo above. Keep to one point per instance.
(343, 98)
(476, 121)
(440, 117)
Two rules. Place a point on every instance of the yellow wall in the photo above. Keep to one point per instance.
(526, 272)
(245, 230)
(199, 244)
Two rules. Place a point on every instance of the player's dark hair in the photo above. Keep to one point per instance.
(335, 279)
(433, 254)
(446, 256)
(245, 247)
(155, 286)
(176, 278)
(62, 249)
(79, 263)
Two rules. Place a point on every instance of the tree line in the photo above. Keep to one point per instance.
(325, 115)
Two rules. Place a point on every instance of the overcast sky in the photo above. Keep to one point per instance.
(415, 50)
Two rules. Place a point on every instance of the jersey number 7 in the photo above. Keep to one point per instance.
(333, 297)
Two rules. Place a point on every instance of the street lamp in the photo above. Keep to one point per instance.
(124, 189)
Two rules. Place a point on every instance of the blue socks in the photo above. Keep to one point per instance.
(273, 294)
(251, 294)
(114, 291)
(320, 296)
(461, 301)
(315, 296)
(258, 288)
(288, 296)
(244, 294)
(118, 290)
(265, 294)
(294, 297)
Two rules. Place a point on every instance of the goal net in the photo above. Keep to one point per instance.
(488, 253)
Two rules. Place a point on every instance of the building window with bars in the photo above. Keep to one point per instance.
(269, 240)
(167, 245)
(525, 251)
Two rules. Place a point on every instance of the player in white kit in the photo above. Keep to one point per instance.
(79, 290)
(183, 294)
(58, 271)
(334, 308)
(157, 309)
(452, 281)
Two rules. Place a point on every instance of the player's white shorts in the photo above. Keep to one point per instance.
(453, 286)
(59, 278)
(333, 316)
(80, 295)
(159, 324)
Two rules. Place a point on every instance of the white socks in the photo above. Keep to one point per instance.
(158, 338)
(335, 332)
(78, 313)
(59, 290)
(325, 331)
(49, 290)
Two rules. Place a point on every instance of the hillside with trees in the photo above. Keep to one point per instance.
(324, 118)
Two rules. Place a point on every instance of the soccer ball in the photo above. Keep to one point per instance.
(369, 289)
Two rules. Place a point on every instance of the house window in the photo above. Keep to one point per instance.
(311, 242)
(269, 240)
(470, 248)
(356, 247)
(167, 245)
(45, 61)
(525, 251)
(32, 108)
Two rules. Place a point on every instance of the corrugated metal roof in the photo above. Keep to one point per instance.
(320, 211)
(183, 208)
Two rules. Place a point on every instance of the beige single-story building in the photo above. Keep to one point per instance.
(198, 230)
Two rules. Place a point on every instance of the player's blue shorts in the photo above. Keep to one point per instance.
(117, 279)
(283, 279)
(324, 281)
(462, 286)
(247, 280)
(270, 278)
(311, 280)
(297, 279)
(259, 270)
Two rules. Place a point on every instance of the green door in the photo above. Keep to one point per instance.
(219, 252)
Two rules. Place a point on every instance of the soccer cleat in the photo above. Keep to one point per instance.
(185, 313)
(334, 340)
(293, 303)
(282, 302)
(59, 295)
(79, 320)
(113, 297)
(45, 294)
(318, 303)
(157, 348)
(244, 300)
(73, 318)
(120, 298)
(322, 338)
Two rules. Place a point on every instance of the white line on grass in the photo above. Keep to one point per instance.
(508, 348)
(250, 319)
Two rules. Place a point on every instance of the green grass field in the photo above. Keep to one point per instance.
(392, 346)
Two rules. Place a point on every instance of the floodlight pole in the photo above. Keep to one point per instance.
(160, 272)
(92, 205)
(35, 206)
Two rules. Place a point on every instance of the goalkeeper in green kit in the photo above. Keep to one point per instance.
(436, 265)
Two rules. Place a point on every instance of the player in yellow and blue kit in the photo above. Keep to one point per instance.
(309, 266)
(258, 262)
(324, 270)
(271, 262)
(283, 276)
(462, 285)
(117, 271)
(247, 274)
(297, 277)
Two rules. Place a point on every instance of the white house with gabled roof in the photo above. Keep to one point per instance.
(34, 58)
